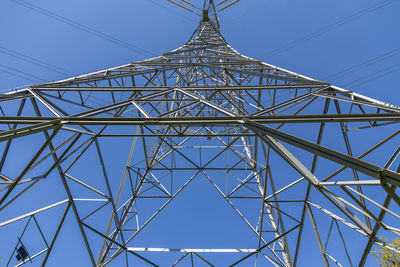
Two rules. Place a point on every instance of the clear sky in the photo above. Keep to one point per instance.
(253, 27)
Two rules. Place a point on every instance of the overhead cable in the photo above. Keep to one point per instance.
(84, 28)
(183, 7)
(363, 64)
(170, 10)
(35, 61)
(373, 76)
(24, 73)
(17, 75)
(20, 74)
(228, 5)
(222, 2)
(190, 4)
(328, 28)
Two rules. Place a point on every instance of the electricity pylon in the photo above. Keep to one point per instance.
(306, 166)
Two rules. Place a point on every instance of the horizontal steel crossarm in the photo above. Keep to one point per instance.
(42, 126)
(343, 159)
(174, 135)
(256, 73)
(230, 57)
(179, 64)
(107, 74)
(357, 96)
(230, 53)
(15, 95)
(290, 101)
(121, 104)
(189, 250)
(186, 88)
(343, 183)
(46, 123)
(190, 48)
(359, 101)
(51, 121)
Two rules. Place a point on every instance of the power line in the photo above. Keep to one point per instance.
(369, 62)
(184, 7)
(383, 72)
(170, 10)
(248, 10)
(328, 28)
(35, 61)
(16, 75)
(227, 4)
(10, 71)
(191, 4)
(83, 27)
(24, 73)
(110, 38)
(363, 64)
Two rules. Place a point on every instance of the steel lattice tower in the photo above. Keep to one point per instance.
(292, 156)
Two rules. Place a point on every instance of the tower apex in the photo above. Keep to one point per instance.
(205, 16)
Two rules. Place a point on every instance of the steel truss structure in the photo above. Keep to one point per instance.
(306, 166)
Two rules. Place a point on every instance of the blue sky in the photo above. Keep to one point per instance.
(253, 27)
